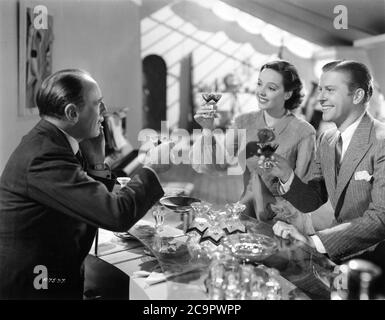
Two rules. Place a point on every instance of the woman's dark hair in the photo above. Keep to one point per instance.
(60, 89)
(291, 81)
(359, 74)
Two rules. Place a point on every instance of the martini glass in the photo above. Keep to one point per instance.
(123, 181)
(210, 100)
(211, 97)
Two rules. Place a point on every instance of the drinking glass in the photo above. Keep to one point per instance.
(123, 181)
(200, 221)
(215, 280)
(210, 99)
(245, 279)
(158, 212)
(212, 237)
(232, 283)
(233, 223)
(235, 210)
(257, 286)
(201, 208)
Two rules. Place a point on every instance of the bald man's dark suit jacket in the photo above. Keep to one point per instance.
(50, 210)
(357, 194)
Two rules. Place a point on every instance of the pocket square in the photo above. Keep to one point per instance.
(363, 175)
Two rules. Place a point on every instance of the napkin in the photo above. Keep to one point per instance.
(151, 277)
(363, 175)
(159, 277)
(155, 277)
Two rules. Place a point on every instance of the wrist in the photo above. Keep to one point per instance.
(93, 157)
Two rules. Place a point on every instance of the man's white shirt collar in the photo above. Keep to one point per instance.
(72, 141)
(348, 133)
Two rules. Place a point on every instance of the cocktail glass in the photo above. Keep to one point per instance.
(210, 100)
(211, 97)
(123, 181)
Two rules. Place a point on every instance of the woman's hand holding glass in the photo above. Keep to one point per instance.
(208, 112)
(205, 117)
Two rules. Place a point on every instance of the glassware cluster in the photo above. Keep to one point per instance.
(209, 238)
(229, 280)
(210, 226)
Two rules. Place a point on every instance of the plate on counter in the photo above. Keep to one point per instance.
(178, 203)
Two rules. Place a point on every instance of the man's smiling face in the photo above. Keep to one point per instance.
(335, 96)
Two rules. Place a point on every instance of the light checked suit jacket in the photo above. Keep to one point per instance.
(359, 203)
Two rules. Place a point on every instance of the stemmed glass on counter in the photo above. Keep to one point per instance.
(158, 212)
(235, 209)
(201, 219)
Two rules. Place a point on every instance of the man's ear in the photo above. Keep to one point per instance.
(288, 95)
(358, 96)
(71, 112)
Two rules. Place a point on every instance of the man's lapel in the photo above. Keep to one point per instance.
(358, 147)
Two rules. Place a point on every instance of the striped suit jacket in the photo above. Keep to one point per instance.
(357, 194)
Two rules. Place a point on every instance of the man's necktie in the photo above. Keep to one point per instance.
(338, 153)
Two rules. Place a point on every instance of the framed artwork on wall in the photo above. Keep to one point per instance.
(35, 53)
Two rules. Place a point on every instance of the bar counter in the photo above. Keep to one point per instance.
(302, 273)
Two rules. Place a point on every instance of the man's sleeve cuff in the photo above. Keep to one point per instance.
(285, 187)
(318, 244)
(105, 173)
(153, 171)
